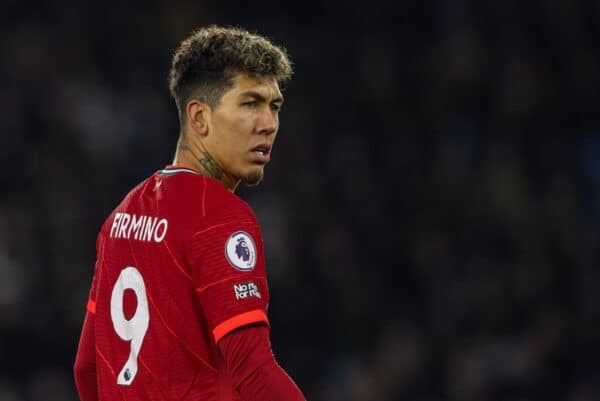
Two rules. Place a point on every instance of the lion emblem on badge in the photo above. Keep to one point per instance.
(241, 249)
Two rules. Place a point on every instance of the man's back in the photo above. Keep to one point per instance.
(180, 264)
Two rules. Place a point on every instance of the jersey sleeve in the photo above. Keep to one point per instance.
(228, 271)
(85, 360)
(91, 303)
(255, 373)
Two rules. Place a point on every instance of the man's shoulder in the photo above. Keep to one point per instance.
(221, 204)
(185, 198)
(200, 198)
(180, 185)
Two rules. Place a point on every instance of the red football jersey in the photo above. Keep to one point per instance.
(180, 264)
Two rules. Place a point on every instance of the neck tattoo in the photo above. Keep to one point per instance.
(211, 168)
(209, 165)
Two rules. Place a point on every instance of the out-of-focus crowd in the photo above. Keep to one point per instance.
(430, 215)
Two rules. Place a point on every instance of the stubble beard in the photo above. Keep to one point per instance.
(253, 179)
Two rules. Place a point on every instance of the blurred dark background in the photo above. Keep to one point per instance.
(430, 214)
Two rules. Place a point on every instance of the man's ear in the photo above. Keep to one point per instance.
(198, 114)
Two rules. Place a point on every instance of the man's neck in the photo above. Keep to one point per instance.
(196, 156)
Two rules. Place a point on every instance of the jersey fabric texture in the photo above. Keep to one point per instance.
(180, 264)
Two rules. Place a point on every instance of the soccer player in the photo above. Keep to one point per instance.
(178, 302)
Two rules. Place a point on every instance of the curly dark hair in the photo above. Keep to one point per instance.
(206, 62)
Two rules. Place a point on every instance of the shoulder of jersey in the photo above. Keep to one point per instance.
(198, 192)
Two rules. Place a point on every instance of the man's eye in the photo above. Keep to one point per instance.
(275, 107)
(251, 104)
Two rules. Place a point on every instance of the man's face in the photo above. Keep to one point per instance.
(242, 128)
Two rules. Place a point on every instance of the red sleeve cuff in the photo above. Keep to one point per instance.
(255, 316)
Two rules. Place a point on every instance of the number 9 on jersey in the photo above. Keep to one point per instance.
(134, 329)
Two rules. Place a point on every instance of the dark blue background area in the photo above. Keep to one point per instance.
(430, 212)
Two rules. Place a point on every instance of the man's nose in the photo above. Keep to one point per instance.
(267, 122)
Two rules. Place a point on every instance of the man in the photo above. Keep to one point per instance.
(178, 303)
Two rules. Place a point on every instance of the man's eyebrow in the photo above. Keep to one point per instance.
(260, 97)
